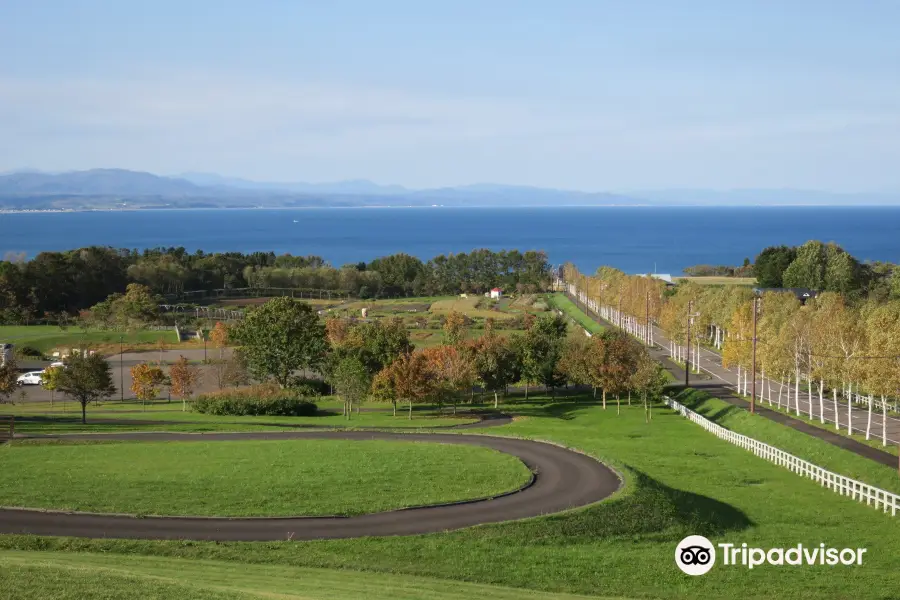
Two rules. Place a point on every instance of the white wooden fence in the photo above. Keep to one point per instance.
(839, 484)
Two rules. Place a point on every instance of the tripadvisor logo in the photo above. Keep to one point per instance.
(696, 555)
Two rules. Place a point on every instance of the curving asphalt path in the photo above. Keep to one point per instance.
(564, 479)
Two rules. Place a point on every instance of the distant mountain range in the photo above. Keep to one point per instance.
(100, 189)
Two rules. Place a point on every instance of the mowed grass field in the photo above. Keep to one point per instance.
(680, 480)
(252, 478)
(75, 576)
(47, 337)
(35, 418)
(561, 301)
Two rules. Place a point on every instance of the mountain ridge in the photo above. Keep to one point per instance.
(122, 188)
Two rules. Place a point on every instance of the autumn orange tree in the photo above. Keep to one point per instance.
(184, 378)
(336, 330)
(410, 378)
(219, 337)
(619, 362)
(454, 328)
(576, 361)
(146, 380)
(453, 372)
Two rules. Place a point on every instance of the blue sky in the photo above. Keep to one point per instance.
(576, 94)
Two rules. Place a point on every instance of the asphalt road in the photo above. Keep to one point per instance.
(853, 417)
(563, 479)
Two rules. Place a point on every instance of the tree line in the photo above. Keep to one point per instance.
(826, 267)
(285, 339)
(837, 344)
(56, 285)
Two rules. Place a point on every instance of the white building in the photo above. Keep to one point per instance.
(496, 293)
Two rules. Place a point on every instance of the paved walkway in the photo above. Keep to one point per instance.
(563, 479)
(722, 383)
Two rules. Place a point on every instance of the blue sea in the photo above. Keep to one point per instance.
(634, 239)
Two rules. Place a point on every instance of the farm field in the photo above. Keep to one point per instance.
(47, 337)
(712, 280)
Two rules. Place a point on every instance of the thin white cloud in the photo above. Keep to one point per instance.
(278, 129)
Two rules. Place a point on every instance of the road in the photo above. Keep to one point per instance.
(563, 479)
(710, 362)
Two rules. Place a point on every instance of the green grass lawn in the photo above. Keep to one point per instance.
(47, 337)
(799, 444)
(562, 302)
(65, 417)
(252, 478)
(65, 576)
(680, 480)
(858, 435)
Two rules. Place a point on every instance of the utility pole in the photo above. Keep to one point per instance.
(687, 359)
(121, 369)
(647, 331)
(753, 371)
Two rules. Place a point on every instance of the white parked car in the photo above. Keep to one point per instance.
(31, 378)
(58, 363)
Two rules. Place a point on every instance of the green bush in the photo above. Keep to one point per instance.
(28, 351)
(261, 400)
(307, 386)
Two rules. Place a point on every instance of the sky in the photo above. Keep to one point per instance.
(591, 95)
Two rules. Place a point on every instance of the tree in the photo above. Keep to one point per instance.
(50, 381)
(842, 271)
(770, 265)
(542, 347)
(411, 379)
(883, 374)
(9, 375)
(455, 327)
(452, 372)
(279, 338)
(495, 364)
(619, 362)
(383, 388)
(649, 379)
(219, 337)
(808, 269)
(576, 360)
(86, 378)
(336, 330)
(236, 373)
(352, 383)
(146, 379)
(184, 378)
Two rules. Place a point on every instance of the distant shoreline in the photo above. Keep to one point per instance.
(543, 206)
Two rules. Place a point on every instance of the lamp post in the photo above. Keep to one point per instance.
(753, 370)
(687, 358)
(121, 368)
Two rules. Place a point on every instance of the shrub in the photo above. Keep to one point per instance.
(30, 352)
(307, 386)
(257, 400)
